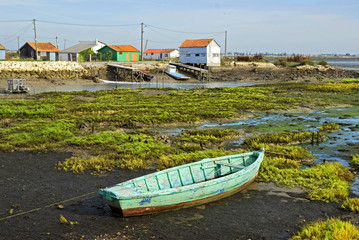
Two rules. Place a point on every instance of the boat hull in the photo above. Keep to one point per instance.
(177, 76)
(119, 206)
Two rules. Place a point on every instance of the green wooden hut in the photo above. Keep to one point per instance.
(121, 53)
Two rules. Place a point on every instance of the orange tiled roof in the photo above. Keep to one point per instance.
(2, 47)
(159, 50)
(196, 43)
(44, 47)
(123, 48)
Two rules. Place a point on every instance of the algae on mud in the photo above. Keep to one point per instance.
(332, 228)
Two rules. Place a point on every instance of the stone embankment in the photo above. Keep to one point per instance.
(43, 70)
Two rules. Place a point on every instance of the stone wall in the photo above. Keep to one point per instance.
(43, 70)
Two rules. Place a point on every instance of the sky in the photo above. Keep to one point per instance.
(253, 26)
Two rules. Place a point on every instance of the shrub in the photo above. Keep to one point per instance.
(351, 204)
(323, 63)
(332, 228)
(355, 161)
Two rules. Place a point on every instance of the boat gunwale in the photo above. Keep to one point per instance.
(188, 187)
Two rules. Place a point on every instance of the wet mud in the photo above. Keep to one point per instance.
(31, 181)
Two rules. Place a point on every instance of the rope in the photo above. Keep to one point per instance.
(50, 205)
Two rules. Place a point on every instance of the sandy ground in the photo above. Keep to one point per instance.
(31, 181)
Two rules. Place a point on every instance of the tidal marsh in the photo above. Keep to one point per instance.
(104, 129)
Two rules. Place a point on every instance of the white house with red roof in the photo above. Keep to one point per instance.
(160, 53)
(200, 52)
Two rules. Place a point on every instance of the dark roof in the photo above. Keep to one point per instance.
(77, 48)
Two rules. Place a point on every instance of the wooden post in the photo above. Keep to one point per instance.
(141, 41)
(312, 142)
(35, 39)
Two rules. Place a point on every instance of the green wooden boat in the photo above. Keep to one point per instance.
(184, 186)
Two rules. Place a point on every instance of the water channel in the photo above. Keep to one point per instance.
(338, 148)
(135, 85)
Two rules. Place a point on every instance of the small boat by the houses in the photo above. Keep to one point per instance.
(184, 186)
(17, 85)
(172, 72)
(145, 76)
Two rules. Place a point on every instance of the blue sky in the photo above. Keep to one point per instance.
(292, 26)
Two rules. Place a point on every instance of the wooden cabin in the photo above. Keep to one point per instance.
(200, 52)
(121, 53)
(76, 52)
(46, 51)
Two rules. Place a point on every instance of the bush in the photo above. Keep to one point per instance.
(257, 57)
(332, 228)
(351, 204)
(307, 62)
(323, 63)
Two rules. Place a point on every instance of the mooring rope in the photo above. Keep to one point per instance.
(50, 205)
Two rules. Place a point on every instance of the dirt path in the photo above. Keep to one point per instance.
(30, 180)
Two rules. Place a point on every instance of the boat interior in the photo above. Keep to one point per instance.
(197, 172)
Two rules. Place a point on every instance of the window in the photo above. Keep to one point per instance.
(215, 54)
(151, 53)
(188, 55)
(197, 54)
(166, 55)
(203, 55)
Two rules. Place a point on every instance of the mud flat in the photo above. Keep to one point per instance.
(268, 72)
(30, 181)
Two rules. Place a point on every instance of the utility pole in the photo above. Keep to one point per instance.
(57, 45)
(141, 41)
(225, 45)
(35, 38)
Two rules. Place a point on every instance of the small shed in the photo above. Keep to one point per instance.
(76, 52)
(46, 51)
(200, 52)
(121, 53)
(2, 52)
(160, 53)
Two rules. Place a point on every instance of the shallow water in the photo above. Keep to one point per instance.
(135, 85)
(339, 148)
(345, 64)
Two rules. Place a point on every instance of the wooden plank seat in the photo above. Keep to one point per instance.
(230, 165)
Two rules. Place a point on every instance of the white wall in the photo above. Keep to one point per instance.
(98, 46)
(2, 54)
(213, 54)
(173, 54)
